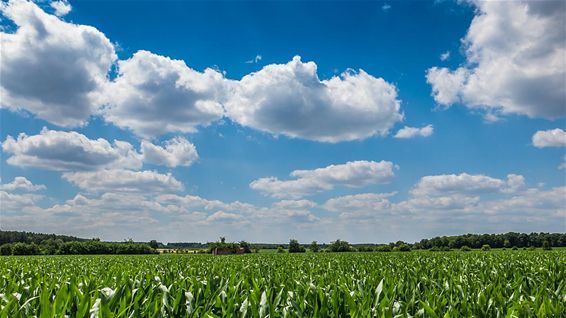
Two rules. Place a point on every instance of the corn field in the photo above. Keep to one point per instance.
(415, 284)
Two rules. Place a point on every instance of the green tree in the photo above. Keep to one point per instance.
(546, 245)
(6, 249)
(246, 246)
(340, 246)
(153, 244)
(314, 247)
(295, 247)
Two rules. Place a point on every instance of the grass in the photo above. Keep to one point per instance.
(416, 284)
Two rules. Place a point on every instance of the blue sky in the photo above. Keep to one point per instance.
(400, 120)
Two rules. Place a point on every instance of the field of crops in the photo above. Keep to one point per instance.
(416, 284)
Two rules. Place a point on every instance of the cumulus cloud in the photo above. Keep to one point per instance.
(351, 174)
(177, 152)
(153, 95)
(361, 205)
(411, 132)
(52, 68)
(68, 151)
(449, 184)
(549, 138)
(18, 202)
(289, 99)
(118, 214)
(116, 180)
(515, 52)
(222, 216)
(62, 7)
(21, 183)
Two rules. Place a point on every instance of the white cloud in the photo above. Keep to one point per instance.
(360, 205)
(154, 95)
(21, 183)
(116, 215)
(52, 68)
(516, 61)
(563, 164)
(177, 152)
(222, 216)
(68, 151)
(411, 132)
(549, 138)
(115, 180)
(255, 60)
(291, 100)
(17, 202)
(464, 183)
(386, 7)
(445, 56)
(308, 182)
(62, 7)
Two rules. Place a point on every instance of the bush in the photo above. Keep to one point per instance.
(465, 248)
(280, 249)
(6, 249)
(295, 247)
(383, 248)
(532, 248)
(404, 248)
(340, 246)
(314, 247)
(485, 247)
(25, 249)
(515, 248)
(546, 246)
(445, 249)
(434, 249)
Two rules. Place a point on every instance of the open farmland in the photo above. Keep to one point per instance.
(422, 284)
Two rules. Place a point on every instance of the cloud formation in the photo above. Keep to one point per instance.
(72, 151)
(69, 151)
(549, 138)
(176, 152)
(52, 68)
(289, 99)
(412, 132)
(116, 180)
(352, 174)
(153, 95)
(62, 7)
(464, 184)
(21, 183)
(515, 61)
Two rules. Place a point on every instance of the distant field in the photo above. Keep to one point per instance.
(422, 284)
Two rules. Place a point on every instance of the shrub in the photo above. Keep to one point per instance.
(280, 249)
(485, 247)
(465, 248)
(6, 249)
(404, 248)
(383, 248)
(340, 246)
(295, 247)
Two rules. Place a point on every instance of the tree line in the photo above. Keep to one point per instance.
(29, 243)
(505, 240)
